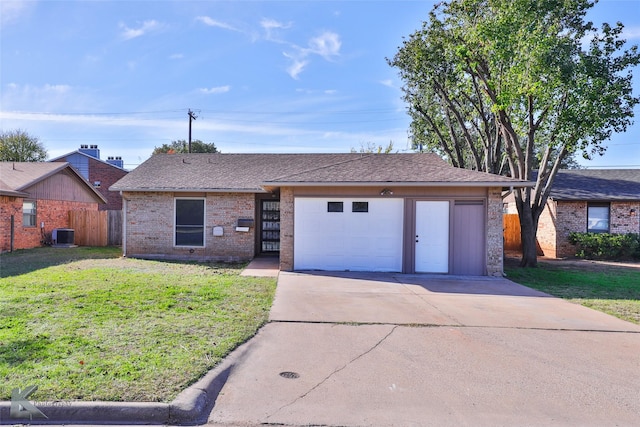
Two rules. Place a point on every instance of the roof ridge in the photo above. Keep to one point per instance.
(362, 155)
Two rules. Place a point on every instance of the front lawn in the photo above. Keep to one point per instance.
(86, 324)
(613, 289)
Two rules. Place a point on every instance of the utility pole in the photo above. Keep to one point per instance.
(192, 117)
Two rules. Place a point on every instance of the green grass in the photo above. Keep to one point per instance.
(613, 290)
(86, 324)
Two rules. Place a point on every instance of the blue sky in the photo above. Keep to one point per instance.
(262, 76)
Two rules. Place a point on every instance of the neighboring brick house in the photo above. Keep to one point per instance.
(588, 200)
(369, 212)
(100, 173)
(36, 198)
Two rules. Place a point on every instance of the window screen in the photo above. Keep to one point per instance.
(598, 218)
(29, 214)
(189, 222)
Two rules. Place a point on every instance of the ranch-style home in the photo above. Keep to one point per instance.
(36, 198)
(408, 213)
(588, 201)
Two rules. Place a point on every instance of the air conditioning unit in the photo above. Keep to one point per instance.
(62, 236)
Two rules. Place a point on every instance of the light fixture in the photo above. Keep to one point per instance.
(386, 192)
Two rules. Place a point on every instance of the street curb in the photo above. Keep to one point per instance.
(191, 407)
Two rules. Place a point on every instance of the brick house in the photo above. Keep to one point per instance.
(588, 200)
(36, 198)
(100, 173)
(368, 212)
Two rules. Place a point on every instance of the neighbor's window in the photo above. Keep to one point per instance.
(598, 218)
(360, 207)
(29, 213)
(189, 222)
(335, 206)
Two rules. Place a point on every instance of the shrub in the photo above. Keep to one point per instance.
(606, 246)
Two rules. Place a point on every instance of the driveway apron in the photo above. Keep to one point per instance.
(362, 349)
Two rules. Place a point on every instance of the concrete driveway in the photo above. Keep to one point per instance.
(355, 349)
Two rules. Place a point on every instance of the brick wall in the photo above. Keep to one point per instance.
(572, 217)
(494, 232)
(107, 175)
(286, 229)
(547, 233)
(150, 227)
(54, 214)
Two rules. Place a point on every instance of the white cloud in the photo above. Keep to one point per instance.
(631, 33)
(326, 45)
(215, 90)
(269, 25)
(131, 33)
(213, 23)
(387, 83)
(11, 11)
(176, 56)
(297, 65)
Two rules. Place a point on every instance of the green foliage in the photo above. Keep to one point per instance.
(19, 146)
(182, 146)
(517, 83)
(370, 147)
(606, 246)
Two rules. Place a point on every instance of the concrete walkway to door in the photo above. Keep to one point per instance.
(354, 349)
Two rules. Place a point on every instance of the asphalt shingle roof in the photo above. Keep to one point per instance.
(15, 177)
(253, 172)
(597, 185)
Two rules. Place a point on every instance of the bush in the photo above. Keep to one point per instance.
(606, 246)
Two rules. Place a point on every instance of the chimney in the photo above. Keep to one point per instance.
(116, 161)
(90, 150)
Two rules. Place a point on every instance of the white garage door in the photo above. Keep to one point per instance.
(353, 234)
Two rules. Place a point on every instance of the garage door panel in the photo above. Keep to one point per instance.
(364, 241)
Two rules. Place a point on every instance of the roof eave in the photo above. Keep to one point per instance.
(188, 190)
(403, 184)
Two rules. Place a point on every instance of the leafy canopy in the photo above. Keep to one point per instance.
(182, 146)
(523, 84)
(19, 146)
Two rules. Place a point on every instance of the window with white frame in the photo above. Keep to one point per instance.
(29, 213)
(598, 217)
(189, 222)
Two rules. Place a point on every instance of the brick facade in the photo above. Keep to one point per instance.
(286, 229)
(560, 218)
(53, 213)
(495, 240)
(149, 227)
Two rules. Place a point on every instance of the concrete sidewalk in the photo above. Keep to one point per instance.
(384, 350)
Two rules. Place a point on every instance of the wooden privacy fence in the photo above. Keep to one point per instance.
(96, 228)
(512, 239)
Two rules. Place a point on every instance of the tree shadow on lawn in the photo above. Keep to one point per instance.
(28, 260)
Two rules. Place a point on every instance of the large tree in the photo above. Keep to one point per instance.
(19, 146)
(526, 83)
(182, 146)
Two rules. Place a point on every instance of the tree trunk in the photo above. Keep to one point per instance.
(528, 232)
